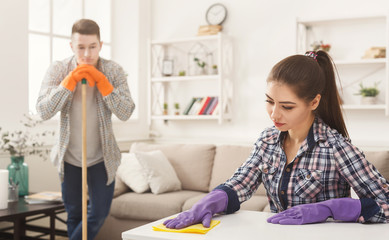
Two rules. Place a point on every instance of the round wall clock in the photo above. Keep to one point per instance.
(216, 14)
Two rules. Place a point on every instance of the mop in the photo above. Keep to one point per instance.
(84, 167)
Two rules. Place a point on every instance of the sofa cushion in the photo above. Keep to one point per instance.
(267, 208)
(159, 172)
(192, 162)
(227, 159)
(380, 159)
(255, 203)
(148, 206)
(120, 187)
(191, 201)
(132, 174)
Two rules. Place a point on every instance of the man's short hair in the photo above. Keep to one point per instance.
(86, 27)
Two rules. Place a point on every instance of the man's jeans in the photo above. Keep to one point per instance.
(100, 198)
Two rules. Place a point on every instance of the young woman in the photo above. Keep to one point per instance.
(306, 161)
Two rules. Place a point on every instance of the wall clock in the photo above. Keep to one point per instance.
(216, 14)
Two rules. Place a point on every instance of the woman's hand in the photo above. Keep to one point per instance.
(344, 209)
(202, 212)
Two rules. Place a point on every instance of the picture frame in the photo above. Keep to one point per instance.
(167, 67)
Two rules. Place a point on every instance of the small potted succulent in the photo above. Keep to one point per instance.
(368, 94)
(177, 108)
(165, 109)
(214, 69)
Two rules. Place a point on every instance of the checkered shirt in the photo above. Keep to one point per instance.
(54, 98)
(325, 167)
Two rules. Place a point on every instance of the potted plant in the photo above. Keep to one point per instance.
(177, 108)
(165, 109)
(21, 143)
(369, 94)
(319, 45)
(201, 65)
(214, 69)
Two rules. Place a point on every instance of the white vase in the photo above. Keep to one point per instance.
(368, 100)
(3, 189)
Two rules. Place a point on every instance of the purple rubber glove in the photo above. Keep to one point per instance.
(344, 209)
(202, 212)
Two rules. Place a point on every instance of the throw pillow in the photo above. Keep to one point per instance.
(132, 173)
(160, 173)
(192, 162)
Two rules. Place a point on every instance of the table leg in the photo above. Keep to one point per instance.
(52, 225)
(19, 228)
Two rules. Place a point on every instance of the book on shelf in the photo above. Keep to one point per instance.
(201, 106)
(216, 109)
(203, 99)
(209, 30)
(204, 105)
(209, 106)
(44, 197)
(189, 106)
(195, 107)
(212, 106)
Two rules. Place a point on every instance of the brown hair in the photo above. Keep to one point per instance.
(87, 27)
(309, 76)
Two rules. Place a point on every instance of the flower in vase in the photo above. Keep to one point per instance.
(25, 142)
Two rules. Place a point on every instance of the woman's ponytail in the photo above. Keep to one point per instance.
(329, 108)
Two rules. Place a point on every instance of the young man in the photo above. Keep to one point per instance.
(107, 93)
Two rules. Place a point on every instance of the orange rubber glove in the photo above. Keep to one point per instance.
(77, 75)
(102, 83)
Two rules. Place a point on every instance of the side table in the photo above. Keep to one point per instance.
(20, 214)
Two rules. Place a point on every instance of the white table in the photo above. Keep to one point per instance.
(244, 225)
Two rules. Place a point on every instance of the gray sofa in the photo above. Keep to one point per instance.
(200, 168)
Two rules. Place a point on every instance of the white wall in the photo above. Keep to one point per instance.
(13, 62)
(263, 33)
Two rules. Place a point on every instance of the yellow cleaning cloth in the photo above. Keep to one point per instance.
(197, 228)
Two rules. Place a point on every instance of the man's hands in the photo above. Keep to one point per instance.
(102, 83)
(80, 72)
(92, 75)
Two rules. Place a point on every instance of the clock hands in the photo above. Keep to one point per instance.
(215, 12)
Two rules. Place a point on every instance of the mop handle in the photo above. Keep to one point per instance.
(84, 167)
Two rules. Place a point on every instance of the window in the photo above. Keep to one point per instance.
(50, 24)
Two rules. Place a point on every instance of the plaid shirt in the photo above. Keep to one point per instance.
(325, 167)
(54, 98)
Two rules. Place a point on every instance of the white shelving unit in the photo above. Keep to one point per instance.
(350, 37)
(187, 78)
(214, 50)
